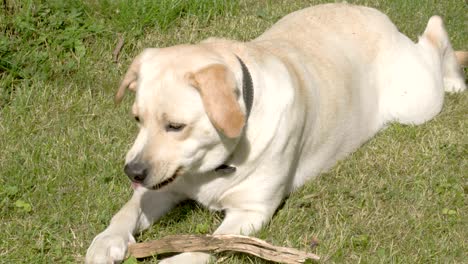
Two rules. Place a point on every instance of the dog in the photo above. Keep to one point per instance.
(237, 126)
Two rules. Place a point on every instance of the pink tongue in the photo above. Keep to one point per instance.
(135, 185)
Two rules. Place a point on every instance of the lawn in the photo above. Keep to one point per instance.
(402, 198)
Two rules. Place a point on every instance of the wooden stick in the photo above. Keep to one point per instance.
(219, 243)
(118, 48)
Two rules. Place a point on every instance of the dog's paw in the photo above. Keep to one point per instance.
(454, 85)
(189, 257)
(108, 248)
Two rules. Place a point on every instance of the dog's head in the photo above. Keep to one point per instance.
(188, 111)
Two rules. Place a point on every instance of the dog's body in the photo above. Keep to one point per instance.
(325, 79)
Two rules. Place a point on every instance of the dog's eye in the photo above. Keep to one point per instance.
(137, 118)
(175, 127)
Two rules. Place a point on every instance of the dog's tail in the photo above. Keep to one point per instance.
(462, 58)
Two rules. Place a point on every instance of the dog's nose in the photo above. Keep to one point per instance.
(136, 171)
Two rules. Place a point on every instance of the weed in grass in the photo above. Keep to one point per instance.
(47, 40)
(42, 41)
(135, 17)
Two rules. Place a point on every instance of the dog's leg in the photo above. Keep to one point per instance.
(415, 76)
(452, 73)
(237, 221)
(139, 213)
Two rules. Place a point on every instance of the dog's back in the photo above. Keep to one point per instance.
(345, 27)
(366, 74)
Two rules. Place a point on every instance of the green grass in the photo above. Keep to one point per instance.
(401, 198)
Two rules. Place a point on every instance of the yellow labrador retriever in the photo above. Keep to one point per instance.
(237, 126)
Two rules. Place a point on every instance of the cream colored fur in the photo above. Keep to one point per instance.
(326, 79)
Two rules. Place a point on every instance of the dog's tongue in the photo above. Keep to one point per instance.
(135, 185)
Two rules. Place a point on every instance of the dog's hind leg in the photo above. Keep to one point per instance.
(452, 73)
(413, 77)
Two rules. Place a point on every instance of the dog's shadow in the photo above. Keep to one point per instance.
(188, 217)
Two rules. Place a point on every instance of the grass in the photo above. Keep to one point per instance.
(402, 198)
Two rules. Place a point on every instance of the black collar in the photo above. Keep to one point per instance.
(247, 94)
(247, 88)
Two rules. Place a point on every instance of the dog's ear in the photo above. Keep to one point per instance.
(130, 79)
(216, 85)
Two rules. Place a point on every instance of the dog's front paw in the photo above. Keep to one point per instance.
(189, 257)
(108, 248)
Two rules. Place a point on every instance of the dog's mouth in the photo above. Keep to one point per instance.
(167, 181)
